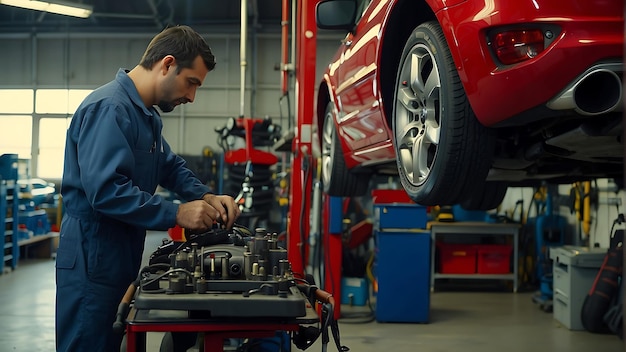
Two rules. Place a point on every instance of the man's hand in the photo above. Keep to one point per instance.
(225, 206)
(196, 215)
(202, 214)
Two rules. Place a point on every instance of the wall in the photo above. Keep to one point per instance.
(86, 61)
(603, 214)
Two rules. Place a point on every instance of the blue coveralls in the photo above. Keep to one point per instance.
(115, 157)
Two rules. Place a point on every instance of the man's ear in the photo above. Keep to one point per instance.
(167, 62)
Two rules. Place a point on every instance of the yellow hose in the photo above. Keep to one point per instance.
(369, 273)
(587, 209)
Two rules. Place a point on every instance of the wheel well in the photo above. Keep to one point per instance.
(323, 97)
(404, 17)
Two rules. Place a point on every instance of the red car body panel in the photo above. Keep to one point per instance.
(591, 30)
(352, 76)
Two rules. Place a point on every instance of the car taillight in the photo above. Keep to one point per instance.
(518, 45)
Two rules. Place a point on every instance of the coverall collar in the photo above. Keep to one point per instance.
(128, 85)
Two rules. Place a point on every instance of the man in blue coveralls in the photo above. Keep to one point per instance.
(115, 157)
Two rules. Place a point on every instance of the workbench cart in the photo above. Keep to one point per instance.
(215, 331)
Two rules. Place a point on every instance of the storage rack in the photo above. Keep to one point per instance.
(474, 229)
(9, 207)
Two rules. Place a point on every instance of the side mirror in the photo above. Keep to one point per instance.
(336, 14)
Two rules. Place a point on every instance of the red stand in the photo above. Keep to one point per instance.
(214, 331)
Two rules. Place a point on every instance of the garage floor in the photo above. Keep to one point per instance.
(460, 321)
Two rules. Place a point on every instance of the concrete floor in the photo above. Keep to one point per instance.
(460, 321)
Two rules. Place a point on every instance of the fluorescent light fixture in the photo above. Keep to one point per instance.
(59, 7)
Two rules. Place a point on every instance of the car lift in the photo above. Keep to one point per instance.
(302, 165)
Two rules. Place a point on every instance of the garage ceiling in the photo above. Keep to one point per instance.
(216, 16)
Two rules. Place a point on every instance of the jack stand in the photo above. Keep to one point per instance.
(545, 303)
(543, 297)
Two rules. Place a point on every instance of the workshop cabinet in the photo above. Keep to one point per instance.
(574, 269)
(402, 263)
(400, 216)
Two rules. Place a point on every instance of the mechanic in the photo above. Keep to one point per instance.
(115, 157)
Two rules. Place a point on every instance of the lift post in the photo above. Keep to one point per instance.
(303, 162)
(298, 223)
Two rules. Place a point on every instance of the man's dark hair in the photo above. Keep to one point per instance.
(183, 43)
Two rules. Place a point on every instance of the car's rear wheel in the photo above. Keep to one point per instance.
(441, 149)
(487, 197)
(337, 179)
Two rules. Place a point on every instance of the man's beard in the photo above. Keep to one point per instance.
(166, 106)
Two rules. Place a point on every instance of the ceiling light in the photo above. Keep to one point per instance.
(59, 7)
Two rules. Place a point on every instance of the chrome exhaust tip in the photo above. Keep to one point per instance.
(596, 92)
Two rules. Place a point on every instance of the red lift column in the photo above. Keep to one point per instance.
(302, 166)
(298, 224)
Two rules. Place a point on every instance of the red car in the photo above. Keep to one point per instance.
(464, 98)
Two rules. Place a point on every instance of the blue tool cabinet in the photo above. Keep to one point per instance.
(402, 263)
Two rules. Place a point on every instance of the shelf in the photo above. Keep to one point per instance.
(43, 245)
(475, 276)
(33, 212)
(14, 247)
(37, 238)
(466, 232)
(9, 206)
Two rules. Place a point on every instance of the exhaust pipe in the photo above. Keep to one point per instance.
(596, 92)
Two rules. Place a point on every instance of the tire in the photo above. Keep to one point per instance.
(167, 343)
(178, 341)
(441, 149)
(487, 197)
(337, 180)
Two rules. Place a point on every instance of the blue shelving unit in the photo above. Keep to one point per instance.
(6, 246)
(9, 208)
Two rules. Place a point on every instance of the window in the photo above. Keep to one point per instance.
(52, 132)
(16, 101)
(59, 101)
(16, 135)
(19, 127)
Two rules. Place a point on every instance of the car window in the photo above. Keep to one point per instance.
(361, 7)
